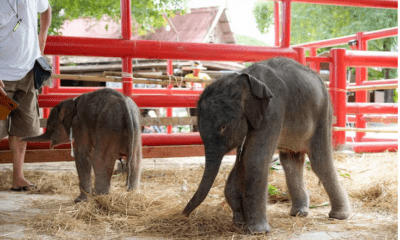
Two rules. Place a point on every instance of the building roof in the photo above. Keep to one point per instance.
(195, 26)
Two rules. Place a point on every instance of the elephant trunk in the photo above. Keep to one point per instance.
(45, 137)
(213, 162)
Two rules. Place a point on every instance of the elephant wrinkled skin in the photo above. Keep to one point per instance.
(274, 104)
(105, 126)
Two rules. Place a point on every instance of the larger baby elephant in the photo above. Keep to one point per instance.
(275, 104)
(104, 125)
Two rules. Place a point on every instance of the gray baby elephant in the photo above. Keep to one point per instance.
(105, 126)
(275, 104)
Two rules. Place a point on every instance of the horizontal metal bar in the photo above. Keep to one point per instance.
(375, 118)
(98, 47)
(373, 146)
(376, 82)
(80, 90)
(363, 3)
(142, 101)
(61, 155)
(371, 59)
(372, 139)
(327, 42)
(372, 108)
(149, 121)
(384, 33)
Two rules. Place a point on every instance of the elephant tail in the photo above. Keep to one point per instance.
(134, 154)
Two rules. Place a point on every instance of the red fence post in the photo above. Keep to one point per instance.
(126, 28)
(56, 70)
(301, 55)
(337, 89)
(314, 66)
(361, 96)
(170, 71)
(276, 23)
(286, 23)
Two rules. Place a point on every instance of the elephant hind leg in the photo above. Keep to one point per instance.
(133, 176)
(321, 159)
(103, 167)
(293, 165)
(84, 169)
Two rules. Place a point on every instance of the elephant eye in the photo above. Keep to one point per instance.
(223, 128)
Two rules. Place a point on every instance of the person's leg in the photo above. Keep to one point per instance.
(18, 149)
(24, 122)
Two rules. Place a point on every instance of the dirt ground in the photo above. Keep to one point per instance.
(168, 184)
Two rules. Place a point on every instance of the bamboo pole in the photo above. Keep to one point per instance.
(376, 87)
(86, 78)
(163, 77)
(377, 130)
(163, 81)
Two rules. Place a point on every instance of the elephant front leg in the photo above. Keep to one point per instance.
(257, 156)
(84, 169)
(234, 193)
(293, 165)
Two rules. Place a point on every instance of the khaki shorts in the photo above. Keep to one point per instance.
(24, 120)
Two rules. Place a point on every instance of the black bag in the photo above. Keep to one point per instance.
(41, 72)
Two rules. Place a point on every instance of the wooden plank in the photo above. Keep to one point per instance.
(61, 155)
(148, 121)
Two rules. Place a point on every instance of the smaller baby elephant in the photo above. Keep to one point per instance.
(105, 126)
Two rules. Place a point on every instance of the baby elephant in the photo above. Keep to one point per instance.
(105, 126)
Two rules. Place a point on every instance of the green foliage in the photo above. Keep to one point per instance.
(312, 22)
(147, 13)
(272, 190)
(245, 40)
(264, 14)
(396, 95)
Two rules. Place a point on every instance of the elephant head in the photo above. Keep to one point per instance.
(58, 124)
(228, 109)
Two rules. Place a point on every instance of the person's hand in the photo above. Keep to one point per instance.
(2, 88)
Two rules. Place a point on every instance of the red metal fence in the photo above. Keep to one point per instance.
(127, 49)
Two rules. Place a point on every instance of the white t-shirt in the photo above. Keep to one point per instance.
(19, 49)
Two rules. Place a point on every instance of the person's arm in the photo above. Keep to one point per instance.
(45, 21)
(2, 88)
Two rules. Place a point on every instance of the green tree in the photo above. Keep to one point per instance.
(312, 22)
(148, 14)
(264, 14)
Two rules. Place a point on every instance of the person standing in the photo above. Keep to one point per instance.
(20, 46)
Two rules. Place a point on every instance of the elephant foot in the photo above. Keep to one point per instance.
(238, 218)
(81, 198)
(300, 212)
(262, 227)
(339, 215)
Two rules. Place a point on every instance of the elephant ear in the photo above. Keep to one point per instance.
(255, 100)
(67, 113)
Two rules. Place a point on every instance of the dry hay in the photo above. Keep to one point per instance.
(154, 211)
